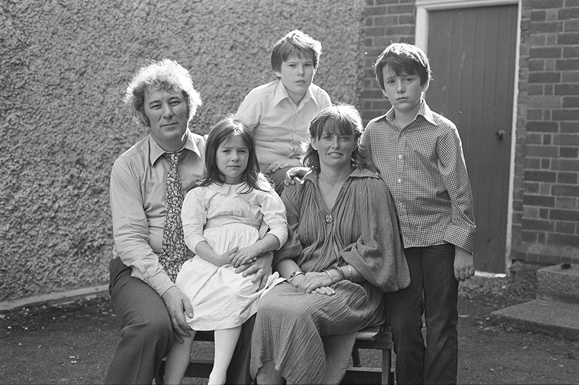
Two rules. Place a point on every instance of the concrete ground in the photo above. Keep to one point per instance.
(72, 343)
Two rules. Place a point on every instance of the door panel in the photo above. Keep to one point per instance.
(472, 53)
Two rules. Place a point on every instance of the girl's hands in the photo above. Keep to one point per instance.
(246, 255)
(314, 283)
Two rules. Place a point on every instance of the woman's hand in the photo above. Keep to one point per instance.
(314, 282)
(178, 305)
(282, 163)
(261, 267)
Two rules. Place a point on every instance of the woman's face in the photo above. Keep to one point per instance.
(168, 118)
(335, 150)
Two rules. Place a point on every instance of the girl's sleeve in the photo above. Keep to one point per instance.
(378, 254)
(194, 217)
(274, 215)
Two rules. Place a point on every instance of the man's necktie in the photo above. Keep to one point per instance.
(174, 251)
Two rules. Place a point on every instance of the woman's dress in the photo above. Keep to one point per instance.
(310, 336)
(225, 217)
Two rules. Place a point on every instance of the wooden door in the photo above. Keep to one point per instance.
(472, 53)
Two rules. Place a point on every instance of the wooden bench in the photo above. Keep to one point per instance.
(375, 338)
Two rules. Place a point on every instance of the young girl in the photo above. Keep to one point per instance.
(232, 217)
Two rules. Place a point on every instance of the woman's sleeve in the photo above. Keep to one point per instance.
(293, 246)
(194, 217)
(378, 254)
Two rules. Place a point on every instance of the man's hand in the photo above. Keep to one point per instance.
(178, 305)
(282, 163)
(463, 264)
(261, 267)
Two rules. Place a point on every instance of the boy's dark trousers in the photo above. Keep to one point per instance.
(433, 291)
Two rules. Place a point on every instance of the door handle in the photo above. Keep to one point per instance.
(500, 134)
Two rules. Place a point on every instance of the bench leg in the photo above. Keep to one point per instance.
(386, 367)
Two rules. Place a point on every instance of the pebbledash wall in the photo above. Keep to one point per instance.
(545, 193)
(64, 66)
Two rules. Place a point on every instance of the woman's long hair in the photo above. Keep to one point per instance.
(341, 119)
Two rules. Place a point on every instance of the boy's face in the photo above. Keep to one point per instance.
(296, 74)
(404, 92)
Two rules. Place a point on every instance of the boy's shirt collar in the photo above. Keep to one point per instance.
(423, 110)
(281, 94)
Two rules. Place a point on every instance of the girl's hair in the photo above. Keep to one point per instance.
(342, 119)
(295, 42)
(165, 75)
(221, 132)
(403, 58)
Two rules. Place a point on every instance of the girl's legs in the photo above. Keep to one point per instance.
(178, 360)
(268, 375)
(225, 341)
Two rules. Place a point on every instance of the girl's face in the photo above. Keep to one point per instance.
(232, 157)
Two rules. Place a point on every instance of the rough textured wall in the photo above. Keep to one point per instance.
(64, 66)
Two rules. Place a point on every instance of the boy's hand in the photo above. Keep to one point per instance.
(282, 163)
(295, 174)
(463, 264)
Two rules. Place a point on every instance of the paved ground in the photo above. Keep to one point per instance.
(72, 343)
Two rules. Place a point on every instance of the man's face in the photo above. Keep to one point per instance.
(168, 116)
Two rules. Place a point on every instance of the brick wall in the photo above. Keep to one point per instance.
(545, 213)
(546, 210)
(386, 21)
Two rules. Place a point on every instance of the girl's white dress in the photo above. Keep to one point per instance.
(225, 217)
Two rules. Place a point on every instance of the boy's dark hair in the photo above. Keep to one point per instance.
(295, 42)
(222, 131)
(406, 59)
(341, 119)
